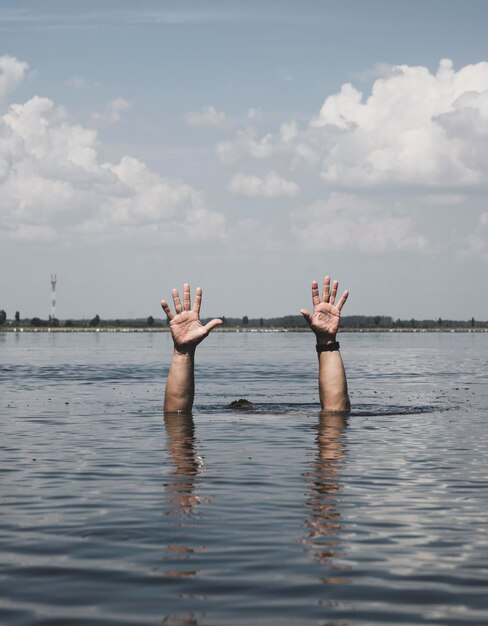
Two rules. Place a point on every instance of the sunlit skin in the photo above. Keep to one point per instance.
(187, 332)
(324, 321)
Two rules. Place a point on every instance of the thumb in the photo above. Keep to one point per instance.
(306, 315)
(212, 324)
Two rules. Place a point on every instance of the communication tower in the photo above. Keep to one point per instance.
(53, 292)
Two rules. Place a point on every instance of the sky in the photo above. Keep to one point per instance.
(245, 147)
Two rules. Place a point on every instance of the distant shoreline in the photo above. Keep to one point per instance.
(159, 329)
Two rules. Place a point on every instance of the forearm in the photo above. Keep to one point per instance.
(333, 382)
(180, 384)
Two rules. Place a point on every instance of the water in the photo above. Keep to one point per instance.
(113, 516)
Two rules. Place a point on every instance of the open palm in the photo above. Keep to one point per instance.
(324, 321)
(186, 328)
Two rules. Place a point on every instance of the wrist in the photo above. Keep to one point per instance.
(327, 347)
(185, 351)
(325, 340)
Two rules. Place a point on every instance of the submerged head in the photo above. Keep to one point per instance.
(242, 403)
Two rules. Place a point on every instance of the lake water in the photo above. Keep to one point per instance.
(113, 516)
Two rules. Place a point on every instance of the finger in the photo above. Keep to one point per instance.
(306, 315)
(333, 292)
(186, 297)
(198, 300)
(325, 295)
(343, 299)
(212, 324)
(167, 310)
(315, 293)
(176, 300)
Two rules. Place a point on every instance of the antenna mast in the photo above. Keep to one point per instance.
(53, 300)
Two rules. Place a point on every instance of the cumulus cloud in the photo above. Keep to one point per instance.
(415, 129)
(53, 185)
(208, 116)
(271, 186)
(12, 73)
(349, 222)
(229, 152)
(379, 70)
(112, 113)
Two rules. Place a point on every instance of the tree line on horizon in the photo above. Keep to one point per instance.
(351, 322)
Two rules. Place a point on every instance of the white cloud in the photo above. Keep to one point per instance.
(400, 134)
(271, 186)
(53, 185)
(12, 72)
(230, 152)
(112, 113)
(208, 116)
(415, 129)
(379, 70)
(348, 222)
(288, 142)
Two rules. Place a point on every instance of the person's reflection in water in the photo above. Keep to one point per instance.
(324, 522)
(180, 431)
(182, 501)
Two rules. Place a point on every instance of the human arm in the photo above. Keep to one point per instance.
(324, 321)
(187, 332)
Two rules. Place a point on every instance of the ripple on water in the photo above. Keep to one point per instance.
(112, 515)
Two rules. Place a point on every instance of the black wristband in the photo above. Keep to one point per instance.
(327, 347)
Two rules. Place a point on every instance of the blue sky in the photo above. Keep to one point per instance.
(246, 147)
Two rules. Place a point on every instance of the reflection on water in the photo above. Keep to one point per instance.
(180, 490)
(324, 518)
(180, 440)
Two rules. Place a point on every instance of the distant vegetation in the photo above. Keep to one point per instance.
(353, 322)
(288, 322)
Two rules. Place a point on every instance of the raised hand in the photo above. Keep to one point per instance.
(324, 321)
(186, 329)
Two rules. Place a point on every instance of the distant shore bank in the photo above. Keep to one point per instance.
(159, 329)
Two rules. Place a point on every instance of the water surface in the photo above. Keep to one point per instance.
(113, 515)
